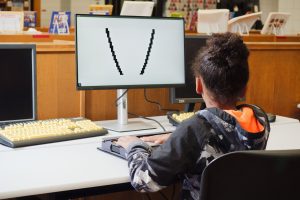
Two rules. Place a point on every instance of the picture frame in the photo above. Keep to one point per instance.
(275, 23)
(60, 22)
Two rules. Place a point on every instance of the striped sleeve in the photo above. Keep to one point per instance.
(141, 172)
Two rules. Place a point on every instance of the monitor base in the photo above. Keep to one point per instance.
(132, 125)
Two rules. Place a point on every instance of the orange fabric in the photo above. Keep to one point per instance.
(246, 119)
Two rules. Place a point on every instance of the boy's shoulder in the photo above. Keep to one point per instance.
(196, 125)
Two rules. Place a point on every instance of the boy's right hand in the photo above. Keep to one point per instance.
(157, 139)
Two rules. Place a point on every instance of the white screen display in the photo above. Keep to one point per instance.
(128, 52)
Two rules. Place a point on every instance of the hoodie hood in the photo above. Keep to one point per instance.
(247, 120)
(244, 129)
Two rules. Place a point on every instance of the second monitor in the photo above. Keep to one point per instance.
(187, 94)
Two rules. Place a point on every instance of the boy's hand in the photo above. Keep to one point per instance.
(126, 140)
(157, 139)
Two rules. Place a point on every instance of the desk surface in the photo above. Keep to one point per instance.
(78, 164)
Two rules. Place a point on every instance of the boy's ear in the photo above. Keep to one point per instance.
(199, 88)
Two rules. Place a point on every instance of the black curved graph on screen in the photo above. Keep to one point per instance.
(113, 52)
(115, 57)
(148, 52)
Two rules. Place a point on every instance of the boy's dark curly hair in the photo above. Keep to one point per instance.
(223, 66)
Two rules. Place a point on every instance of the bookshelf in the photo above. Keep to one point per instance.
(15, 5)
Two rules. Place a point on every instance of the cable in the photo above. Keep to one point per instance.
(139, 116)
(116, 101)
(157, 103)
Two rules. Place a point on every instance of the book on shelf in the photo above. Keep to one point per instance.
(188, 10)
(60, 22)
(30, 19)
(100, 9)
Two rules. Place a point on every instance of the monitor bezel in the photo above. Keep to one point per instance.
(172, 91)
(31, 47)
(108, 87)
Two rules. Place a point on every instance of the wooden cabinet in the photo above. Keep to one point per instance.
(275, 77)
(273, 85)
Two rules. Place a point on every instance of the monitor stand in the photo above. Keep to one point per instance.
(190, 107)
(123, 124)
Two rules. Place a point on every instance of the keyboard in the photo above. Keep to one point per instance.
(47, 131)
(178, 117)
(109, 146)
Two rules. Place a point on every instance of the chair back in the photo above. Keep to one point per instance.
(253, 175)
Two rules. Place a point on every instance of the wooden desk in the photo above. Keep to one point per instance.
(294, 38)
(44, 37)
(270, 38)
(258, 38)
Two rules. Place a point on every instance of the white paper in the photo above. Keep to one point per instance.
(137, 8)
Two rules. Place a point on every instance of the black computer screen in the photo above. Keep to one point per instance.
(187, 93)
(17, 80)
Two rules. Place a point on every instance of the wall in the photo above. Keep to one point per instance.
(79, 6)
(267, 6)
(46, 10)
(290, 6)
(293, 7)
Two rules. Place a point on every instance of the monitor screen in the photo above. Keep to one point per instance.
(17, 80)
(120, 52)
(187, 93)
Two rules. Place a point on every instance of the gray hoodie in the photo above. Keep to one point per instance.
(196, 142)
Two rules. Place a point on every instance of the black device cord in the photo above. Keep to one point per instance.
(157, 103)
(120, 97)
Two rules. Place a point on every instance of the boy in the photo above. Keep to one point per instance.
(222, 73)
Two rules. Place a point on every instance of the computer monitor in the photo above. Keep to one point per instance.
(18, 83)
(128, 52)
(212, 21)
(187, 94)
